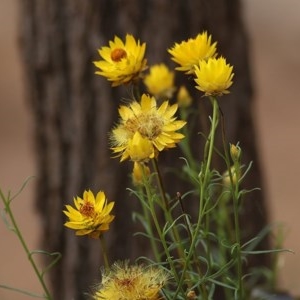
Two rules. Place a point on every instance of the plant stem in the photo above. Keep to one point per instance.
(235, 198)
(17, 231)
(104, 252)
(146, 215)
(167, 210)
(204, 179)
(159, 231)
(185, 143)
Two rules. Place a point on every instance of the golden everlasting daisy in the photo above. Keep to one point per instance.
(91, 215)
(156, 125)
(160, 81)
(188, 53)
(122, 62)
(124, 282)
(214, 76)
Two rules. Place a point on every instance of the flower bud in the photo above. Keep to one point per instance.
(184, 98)
(235, 177)
(138, 170)
(235, 152)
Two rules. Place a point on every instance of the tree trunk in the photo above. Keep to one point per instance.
(74, 109)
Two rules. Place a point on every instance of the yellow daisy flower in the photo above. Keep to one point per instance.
(122, 62)
(160, 81)
(134, 282)
(91, 215)
(214, 76)
(188, 53)
(155, 124)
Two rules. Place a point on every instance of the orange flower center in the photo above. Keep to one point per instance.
(117, 54)
(126, 283)
(87, 209)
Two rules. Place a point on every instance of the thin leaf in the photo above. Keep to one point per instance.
(24, 292)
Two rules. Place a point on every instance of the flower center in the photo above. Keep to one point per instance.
(126, 285)
(148, 125)
(117, 54)
(87, 209)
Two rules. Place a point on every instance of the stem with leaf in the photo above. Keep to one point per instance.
(15, 228)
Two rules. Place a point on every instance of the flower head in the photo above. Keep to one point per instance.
(155, 125)
(134, 282)
(214, 76)
(160, 81)
(188, 53)
(122, 62)
(91, 215)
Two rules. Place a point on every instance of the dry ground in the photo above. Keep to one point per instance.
(274, 28)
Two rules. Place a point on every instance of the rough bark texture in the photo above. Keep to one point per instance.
(74, 109)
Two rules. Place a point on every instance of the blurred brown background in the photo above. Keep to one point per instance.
(274, 31)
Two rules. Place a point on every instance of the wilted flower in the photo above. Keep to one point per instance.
(160, 81)
(91, 215)
(122, 62)
(191, 295)
(188, 53)
(155, 124)
(136, 282)
(214, 76)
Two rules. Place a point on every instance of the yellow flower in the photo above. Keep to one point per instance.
(184, 98)
(122, 62)
(91, 215)
(160, 81)
(155, 124)
(139, 148)
(188, 53)
(134, 282)
(214, 76)
(139, 170)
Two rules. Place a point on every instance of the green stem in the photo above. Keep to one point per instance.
(185, 143)
(204, 179)
(238, 242)
(167, 210)
(235, 198)
(104, 252)
(17, 231)
(160, 185)
(146, 215)
(159, 231)
(223, 229)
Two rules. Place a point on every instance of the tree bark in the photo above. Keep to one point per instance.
(74, 110)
